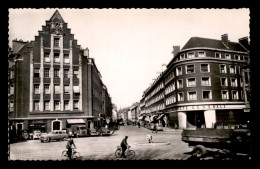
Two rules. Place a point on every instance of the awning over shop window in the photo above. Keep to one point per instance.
(75, 121)
(161, 116)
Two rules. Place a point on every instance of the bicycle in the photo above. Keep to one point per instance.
(75, 155)
(130, 154)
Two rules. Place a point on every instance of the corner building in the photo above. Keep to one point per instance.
(203, 84)
(53, 81)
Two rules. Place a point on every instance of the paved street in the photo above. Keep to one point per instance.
(103, 147)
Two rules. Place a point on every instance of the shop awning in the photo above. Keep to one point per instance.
(75, 121)
(161, 116)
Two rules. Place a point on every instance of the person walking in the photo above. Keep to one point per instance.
(154, 128)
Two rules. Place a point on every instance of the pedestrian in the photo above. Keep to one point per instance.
(240, 126)
(69, 147)
(154, 128)
(149, 138)
(124, 146)
(138, 123)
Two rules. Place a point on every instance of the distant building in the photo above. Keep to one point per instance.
(204, 84)
(53, 83)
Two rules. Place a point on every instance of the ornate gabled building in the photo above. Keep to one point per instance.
(52, 82)
(204, 85)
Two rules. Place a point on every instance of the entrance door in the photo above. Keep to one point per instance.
(195, 119)
(56, 125)
(19, 129)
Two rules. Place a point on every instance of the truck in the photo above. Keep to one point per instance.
(78, 130)
(233, 141)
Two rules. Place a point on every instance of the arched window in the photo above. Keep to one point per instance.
(56, 125)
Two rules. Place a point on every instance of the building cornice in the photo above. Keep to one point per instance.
(215, 49)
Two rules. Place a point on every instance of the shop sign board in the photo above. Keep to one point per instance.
(205, 107)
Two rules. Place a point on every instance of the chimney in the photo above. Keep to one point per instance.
(244, 42)
(224, 39)
(86, 52)
(176, 50)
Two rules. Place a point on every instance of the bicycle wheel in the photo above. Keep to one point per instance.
(130, 155)
(118, 153)
(76, 155)
(64, 154)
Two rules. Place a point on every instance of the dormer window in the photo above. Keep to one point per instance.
(201, 54)
(227, 56)
(190, 55)
(217, 55)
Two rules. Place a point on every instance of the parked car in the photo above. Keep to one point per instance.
(92, 132)
(35, 134)
(54, 135)
(104, 131)
(121, 123)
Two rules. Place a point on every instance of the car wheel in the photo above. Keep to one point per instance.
(199, 151)
(41, 141)
(49, 139)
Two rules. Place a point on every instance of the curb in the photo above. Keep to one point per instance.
(152, 144)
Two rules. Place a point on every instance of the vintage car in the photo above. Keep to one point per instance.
(92, 132)
(54, 135)
(104, 131)
(35, 134)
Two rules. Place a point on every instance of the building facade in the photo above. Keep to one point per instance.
(52, 81)
(203, 85)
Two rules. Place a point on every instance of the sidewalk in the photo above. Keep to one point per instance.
(168, 130)
(171, 130)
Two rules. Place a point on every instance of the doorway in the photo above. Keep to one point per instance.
(196, 119)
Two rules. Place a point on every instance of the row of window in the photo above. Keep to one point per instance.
(57, 89)
(159, 87)
(205, 81)
(206, 95)
(56, 57)
(157, 98)
(155, 108)
(57, 105)
(57, 74)
(170, 88)
(205, 68)
(191, 55)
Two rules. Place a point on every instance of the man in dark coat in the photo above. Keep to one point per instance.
(124, 146)
(69, 147)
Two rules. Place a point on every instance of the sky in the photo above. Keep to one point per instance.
(130, 46)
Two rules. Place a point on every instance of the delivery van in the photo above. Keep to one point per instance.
(78, 130)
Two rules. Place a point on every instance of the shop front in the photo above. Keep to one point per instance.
(37, 125)
(207, 116)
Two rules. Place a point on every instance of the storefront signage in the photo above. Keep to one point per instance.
(200, 107)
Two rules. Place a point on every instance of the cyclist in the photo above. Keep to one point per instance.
(124, 146)
(69, 146)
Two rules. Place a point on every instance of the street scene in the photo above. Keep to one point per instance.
(104, 147)
(144, 88)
